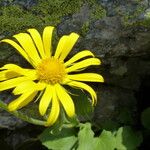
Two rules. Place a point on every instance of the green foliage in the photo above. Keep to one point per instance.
(128, 139)
(145, 118)
(64, 140)
(82, 103)
(106, 141)
(85, 137)
(123, 139)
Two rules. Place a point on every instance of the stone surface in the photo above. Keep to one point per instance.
(116, 31)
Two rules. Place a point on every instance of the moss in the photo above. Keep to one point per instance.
(52, 11)
(134, 15)
(15, 18)
(132, 19)
(146, 21)
(85, 28)
(98, 12)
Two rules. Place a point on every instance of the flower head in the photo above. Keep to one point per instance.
(50, 72)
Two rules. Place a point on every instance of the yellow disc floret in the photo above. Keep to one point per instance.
(51, 71)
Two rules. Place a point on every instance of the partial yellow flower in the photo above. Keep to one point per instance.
(50, 72)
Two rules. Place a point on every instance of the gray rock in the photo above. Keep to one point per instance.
(117, 32)
(113, 103)
(9, 121)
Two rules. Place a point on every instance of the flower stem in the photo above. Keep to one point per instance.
(22, 116)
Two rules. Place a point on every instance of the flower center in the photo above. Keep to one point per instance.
(51, 71)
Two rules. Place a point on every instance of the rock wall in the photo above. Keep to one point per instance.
(116, 31)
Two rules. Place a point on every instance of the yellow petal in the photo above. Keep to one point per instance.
(73, 37)
(30, 73)
(65, 100)
(90, 77)
(78, 56)
(8, 84)
(47, 40)
(61, 45)
(28, 100)
(27, 86)
(26, 42)
(85, 87)
(18, 48)
(6, 74)
(46, 99)
(83, 64)
(23, 87)
(22, 101)
(38, 41)
(11, 67)
(55, 109)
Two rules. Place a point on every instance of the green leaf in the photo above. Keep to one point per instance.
(87, 141)
(83, 106)
(106, 141)
(127, 139)
(64, 140)
(64, 121)
(85, 137)
(145, 118)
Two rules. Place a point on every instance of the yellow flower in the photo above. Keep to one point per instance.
(50, 71)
